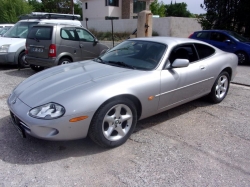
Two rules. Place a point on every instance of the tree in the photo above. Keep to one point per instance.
(61, 6)
(11, 10)
(158, 8)
(37, 5)
(177, 10)
(226, 14)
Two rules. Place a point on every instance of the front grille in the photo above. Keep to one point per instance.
(19, 122)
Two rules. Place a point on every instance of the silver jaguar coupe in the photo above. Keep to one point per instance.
(105, 97)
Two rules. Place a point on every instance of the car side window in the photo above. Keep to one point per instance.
(68, 33)
(204, 51)
(85, 35)
(203, 35)
(186, 51)
(219, 37)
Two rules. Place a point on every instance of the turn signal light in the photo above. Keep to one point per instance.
(78, 118)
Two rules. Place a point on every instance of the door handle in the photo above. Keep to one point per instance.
(202, 67)
(81, 45)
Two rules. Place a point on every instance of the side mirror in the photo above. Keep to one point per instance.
(95, 40)
(180, 63)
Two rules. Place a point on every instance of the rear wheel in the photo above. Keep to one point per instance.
(36, 68)
(21, 62)
(242, 57)
(113, 123)
(64, 61)
(220, 88)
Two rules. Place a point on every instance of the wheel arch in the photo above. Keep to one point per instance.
(132, 98)
(66, 56)
(17, 54)
(229, 71)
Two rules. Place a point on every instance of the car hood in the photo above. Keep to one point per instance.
(47, 85)
(4, 40)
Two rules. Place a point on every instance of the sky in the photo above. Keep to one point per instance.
(193, 6)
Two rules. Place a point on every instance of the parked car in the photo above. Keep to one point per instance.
(50, 45)
(105, 97)
(4, 28)
(227, 41)
(12, 44)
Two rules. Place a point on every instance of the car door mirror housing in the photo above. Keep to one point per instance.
(180, 63)
(95, 40)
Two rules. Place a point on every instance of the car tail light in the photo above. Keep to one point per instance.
(191, 35)
(26, 49)
(52, 50)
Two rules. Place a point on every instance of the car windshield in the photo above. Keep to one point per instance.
(238, 37)
(20, 30)
(134, 54)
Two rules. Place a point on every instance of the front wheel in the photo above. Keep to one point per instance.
(242, 57)
(220, 88)
(21, 61)
(113, 123)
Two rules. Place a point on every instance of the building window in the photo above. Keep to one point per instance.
(112, 3)
(86, 5)
(139, 6)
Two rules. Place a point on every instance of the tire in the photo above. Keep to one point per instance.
(64, 61)
(21, 62)
(220, 88)
(36, 68)
(242, 58)
(113, 123)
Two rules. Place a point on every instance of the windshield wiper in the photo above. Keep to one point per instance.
(117, 63)
(37, 40)
(99, 59)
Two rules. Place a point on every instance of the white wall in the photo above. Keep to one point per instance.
(100, 10)
(167, 26)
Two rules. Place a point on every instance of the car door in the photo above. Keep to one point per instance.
(39, 40)
(221, 41)
(69, 43)
(89, 47)
(179, 85)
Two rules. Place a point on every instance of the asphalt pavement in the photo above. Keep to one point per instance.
(196, 144)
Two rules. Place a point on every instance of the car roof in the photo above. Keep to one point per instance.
(169, 40)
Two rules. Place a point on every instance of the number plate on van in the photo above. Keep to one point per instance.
(36, 49)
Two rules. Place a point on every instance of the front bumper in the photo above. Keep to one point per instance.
(56, 129)
(44, 62)
(7, 58)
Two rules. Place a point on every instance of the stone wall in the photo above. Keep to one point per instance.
(167, 26)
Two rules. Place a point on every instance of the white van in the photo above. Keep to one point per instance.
(12, 44)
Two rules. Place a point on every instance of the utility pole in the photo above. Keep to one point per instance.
(72, 6)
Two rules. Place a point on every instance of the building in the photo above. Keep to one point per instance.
(120, 9)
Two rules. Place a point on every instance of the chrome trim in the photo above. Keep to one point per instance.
(22, 123)
(183, 87)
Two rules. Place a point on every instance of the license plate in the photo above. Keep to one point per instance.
(19, 129)
(37, 49)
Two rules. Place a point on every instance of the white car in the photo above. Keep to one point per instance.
(12, 44)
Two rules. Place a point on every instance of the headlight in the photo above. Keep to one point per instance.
(47, 111)
(4, 48)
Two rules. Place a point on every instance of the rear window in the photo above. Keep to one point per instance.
(204, 51)
(40, 33)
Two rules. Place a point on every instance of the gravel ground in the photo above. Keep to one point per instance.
(196, 144)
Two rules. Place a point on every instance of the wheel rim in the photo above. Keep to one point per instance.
(117, 122)
(241, 58)
(65, 62)
(221, 87)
